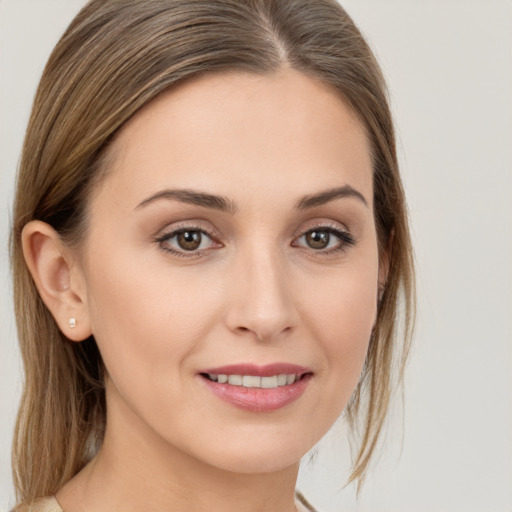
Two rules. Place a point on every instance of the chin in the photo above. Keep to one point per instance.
(259, 453)
(264, 462)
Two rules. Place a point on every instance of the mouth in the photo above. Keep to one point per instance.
(255, 381)
(258, 388)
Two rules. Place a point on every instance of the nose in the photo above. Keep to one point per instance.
(261, 299)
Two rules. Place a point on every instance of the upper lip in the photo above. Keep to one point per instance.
(260, 371)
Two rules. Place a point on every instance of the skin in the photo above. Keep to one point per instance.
(255, 292)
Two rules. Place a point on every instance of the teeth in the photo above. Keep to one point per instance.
(235, 380)
(269, 382)
(281, 380)
(250, 381)
(253, 381)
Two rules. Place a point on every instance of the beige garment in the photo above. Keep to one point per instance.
(46, 505)
(51, 505)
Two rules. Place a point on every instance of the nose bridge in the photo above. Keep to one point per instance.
(261, 301)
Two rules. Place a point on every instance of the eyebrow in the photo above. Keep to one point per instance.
(193, 197)
(226, 205)
(327, 196)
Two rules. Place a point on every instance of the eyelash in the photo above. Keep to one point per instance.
(346, 240)
(165, 237)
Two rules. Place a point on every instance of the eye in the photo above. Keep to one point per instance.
(325, 239)
(189, 240)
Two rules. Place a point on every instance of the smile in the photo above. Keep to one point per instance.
(255, 381)
(258, 388)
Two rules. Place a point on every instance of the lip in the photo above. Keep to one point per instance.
(258, 399)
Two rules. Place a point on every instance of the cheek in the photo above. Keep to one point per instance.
(343, 303)
(142, 315)
(341, 315)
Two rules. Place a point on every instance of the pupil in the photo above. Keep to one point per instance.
(318, 239)
(189, 240)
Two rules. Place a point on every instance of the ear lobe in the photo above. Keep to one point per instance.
(49, 262)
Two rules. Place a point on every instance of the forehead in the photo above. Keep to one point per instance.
(234, 133)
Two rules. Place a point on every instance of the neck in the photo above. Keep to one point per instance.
(137, 470)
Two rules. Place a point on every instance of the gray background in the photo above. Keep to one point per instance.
(449, 67)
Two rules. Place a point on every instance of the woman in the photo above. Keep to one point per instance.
(209, 245)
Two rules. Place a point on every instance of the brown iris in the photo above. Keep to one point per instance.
(318, 239)
(189, 240)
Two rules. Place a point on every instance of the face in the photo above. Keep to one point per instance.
(231, 269)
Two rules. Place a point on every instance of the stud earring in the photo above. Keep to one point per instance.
(72, 323)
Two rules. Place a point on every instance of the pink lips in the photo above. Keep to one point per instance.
(256, 399)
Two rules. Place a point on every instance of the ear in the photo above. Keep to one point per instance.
(58, 279)
(383, 275)
(384, 264)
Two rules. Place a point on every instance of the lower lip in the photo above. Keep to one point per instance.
(259, 399)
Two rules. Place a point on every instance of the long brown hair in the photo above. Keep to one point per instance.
(115, 57)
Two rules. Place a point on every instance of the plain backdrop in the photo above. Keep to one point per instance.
(449, 68)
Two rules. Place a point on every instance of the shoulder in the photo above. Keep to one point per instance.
(42, 505)
(47, 505)
(51, 505)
